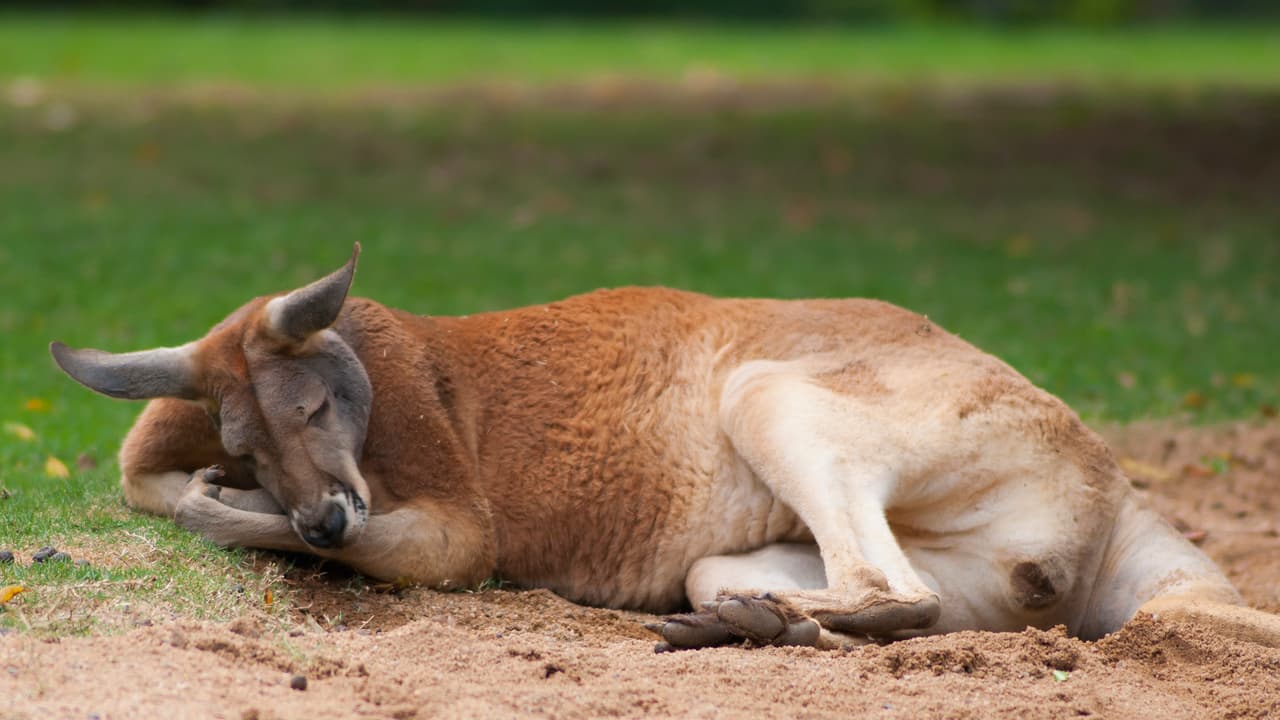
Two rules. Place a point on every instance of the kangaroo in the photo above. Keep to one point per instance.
(807, 472)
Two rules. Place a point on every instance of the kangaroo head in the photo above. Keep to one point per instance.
(287, 393)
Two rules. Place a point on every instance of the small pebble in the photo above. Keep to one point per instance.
(81, 563)
(44, 553)
(6, 556)
(298, 682)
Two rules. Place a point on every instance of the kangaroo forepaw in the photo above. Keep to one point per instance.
(213, 475)
(205, 482)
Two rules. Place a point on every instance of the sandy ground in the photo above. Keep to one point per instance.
(504, 653)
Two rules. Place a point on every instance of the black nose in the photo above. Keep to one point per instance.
(328, 532)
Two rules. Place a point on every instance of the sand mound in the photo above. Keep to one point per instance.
(504, 653)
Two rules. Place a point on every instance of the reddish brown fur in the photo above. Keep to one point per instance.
(590, 445)
(550, 436)
(569, 395)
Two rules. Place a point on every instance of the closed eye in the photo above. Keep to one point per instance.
(319, 412)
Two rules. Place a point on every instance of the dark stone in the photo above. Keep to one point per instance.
(44, 553)
(298, 682)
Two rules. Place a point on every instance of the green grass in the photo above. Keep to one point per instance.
(1121, 248)
(323, 53)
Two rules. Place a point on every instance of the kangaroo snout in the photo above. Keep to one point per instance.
(329, 529)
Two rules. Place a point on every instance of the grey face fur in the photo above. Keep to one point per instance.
(296, 411)
(301, 422)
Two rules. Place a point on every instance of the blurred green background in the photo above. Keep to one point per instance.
(1086, 189)
(1010, 12)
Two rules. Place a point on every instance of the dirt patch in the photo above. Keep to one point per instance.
(374, 652)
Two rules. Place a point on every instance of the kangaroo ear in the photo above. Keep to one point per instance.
(308, 310)
(162, 372)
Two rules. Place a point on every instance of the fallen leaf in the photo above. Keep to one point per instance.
(836, 161)
(1018, 246)
(1138, 469)
(268, 597)
(1197, 471)
(800, 214)
(55, 468)
(1193, 400)
(95, 200)
(36, 405)
(1242, 380)
(1268, 410)
(9, 592)
(1060, 675)
(524, 217)
(20, 431)
(86, 461)
(554, 202)
(147, 152)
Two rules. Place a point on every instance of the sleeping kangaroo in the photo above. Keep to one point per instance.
(815, 472)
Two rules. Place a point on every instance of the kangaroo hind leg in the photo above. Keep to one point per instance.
(825, 457)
